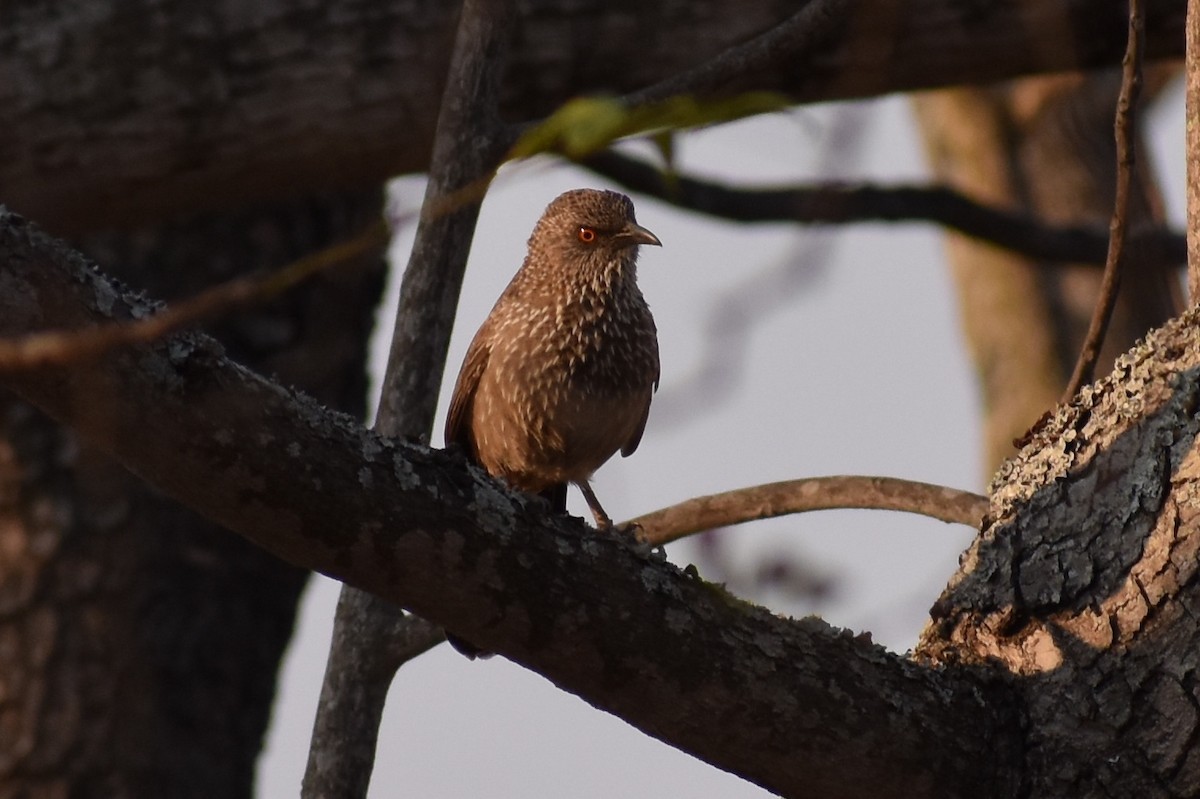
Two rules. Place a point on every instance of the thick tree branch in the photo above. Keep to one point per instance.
(1084, 582)
(840, 204)
(467, 149)
(794, 706)
(343, 94)
(808, 494)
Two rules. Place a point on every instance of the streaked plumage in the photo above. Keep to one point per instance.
(560, 375)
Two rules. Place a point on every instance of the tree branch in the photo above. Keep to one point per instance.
(62, 347)
(243, 128)
(814, 493)
(794, 706)
(839, 204)
(1131, 84)
(468, 146)
(1082, 583)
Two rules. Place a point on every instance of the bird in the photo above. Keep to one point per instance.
(560, 375)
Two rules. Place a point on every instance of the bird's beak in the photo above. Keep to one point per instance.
(636, 234)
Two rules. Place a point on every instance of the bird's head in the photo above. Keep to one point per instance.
(589, 226)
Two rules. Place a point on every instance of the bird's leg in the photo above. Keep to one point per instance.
(603, 522)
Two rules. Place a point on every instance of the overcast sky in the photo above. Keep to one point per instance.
(786, 352)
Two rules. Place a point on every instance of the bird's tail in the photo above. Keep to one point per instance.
(556, 495)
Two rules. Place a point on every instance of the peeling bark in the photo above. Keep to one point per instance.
(1085, 583)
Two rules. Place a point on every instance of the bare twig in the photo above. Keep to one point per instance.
(468, 146)
(814, 493)
(841, 204)
(1192, 112)
(1131, 83)
(60, 347)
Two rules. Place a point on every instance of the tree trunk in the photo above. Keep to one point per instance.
(140, 642)
(1043, 146)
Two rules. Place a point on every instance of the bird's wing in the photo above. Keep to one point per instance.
(458, 420)
(632, 444)
(636, 438)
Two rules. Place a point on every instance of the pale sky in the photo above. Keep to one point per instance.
(820, 352)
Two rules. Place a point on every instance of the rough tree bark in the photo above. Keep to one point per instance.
(1084, 586)
(1064, 649)
(112, 111)
(140, 642)
(793, 706)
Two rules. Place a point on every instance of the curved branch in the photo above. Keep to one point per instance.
(768, 501)
(794, 706)
(838, 204)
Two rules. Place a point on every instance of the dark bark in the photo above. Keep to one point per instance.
(141, 641)
(112, 111)
(1085, 583)
(795, 706)
(1065, 649)
(364, 655)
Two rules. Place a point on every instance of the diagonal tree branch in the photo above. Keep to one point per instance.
(60, 347)
(840, 204)
(795, 706)
(363, 658)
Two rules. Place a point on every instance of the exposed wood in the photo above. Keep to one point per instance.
(1084, 582)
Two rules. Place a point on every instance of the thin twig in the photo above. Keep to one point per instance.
(1123, 127)
(468, 146)
(837, 204)
(61, 347)
(1192, 113)
(950, 505)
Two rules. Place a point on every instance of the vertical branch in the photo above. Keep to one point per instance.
(1193, 149)
(1123, 126)
(372, 638)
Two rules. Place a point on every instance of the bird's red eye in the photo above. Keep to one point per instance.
(587, 234)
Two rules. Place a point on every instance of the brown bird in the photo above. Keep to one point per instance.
(559, 376)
